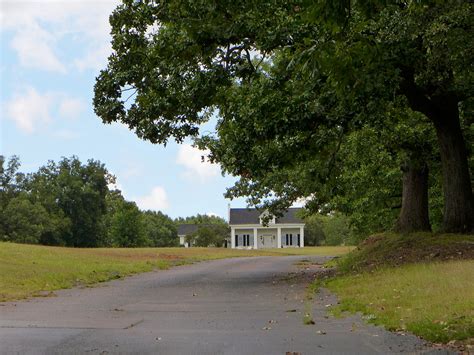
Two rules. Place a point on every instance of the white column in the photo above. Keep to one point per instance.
(279, 237)
(255, 244)
(232, 237)
(301, 237)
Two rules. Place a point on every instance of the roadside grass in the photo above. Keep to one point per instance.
(321, 251)
(32, 270)
(391, 249)
(421, 282)
(432, 300)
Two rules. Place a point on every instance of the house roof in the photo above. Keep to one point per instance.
(252, 216)
(186, 229)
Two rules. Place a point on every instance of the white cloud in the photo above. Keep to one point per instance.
(157, 200)
(34, 47)
(39, 25)
(29, 109)
(71, 107)
(212, 214)
(95, 58)
(192, 159)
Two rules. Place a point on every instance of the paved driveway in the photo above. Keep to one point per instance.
(233, 306)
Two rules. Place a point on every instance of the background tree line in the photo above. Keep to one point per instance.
(212, 230)
(69, 203)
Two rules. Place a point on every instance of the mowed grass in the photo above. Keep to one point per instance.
(31, 270)
(432, 300)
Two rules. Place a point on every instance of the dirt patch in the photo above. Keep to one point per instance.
(309, 265)
(170, 257)
(137, 256)
(308, 275)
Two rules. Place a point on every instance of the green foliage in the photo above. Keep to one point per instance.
(76, 191)
(11, 181)
(200, 219)
(337, 230)
(369, 184)
(23, 218)
(332, 229)
(160, 230)
(127, 227)
(69, 204)
(23, 221)
(209, 235)
(313, 231)
(292, 82)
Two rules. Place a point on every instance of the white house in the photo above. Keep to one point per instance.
(248, 232)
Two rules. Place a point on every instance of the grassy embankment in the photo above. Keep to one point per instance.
(422, 283)
(31, 270)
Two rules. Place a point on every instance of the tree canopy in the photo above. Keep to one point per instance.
(69, 203)
(292, 81)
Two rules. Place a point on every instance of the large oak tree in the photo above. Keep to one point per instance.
(289, 80)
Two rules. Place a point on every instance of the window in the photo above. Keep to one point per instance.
(291, 239)
(299, 241)
(236, 240)
(286, 243)
(245, 240)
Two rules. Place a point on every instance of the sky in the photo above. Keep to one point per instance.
(51, 52)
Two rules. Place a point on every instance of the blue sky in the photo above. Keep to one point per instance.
(51, 52)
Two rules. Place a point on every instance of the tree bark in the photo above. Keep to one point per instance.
(458, 214)
(414, 212)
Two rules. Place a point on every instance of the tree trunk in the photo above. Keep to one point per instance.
(414, 212)
(443, 111)
(458, 214)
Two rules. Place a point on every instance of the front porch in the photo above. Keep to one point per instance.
(267, 237)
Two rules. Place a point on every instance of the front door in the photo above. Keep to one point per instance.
(267, 241)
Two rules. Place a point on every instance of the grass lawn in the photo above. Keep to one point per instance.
(432, 300)
(422, 283)
(32, 270)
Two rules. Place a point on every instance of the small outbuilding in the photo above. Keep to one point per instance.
(185, 230)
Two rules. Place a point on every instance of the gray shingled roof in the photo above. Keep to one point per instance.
(187, 229)
(252, 216)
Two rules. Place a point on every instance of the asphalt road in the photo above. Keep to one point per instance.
(233, 306)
